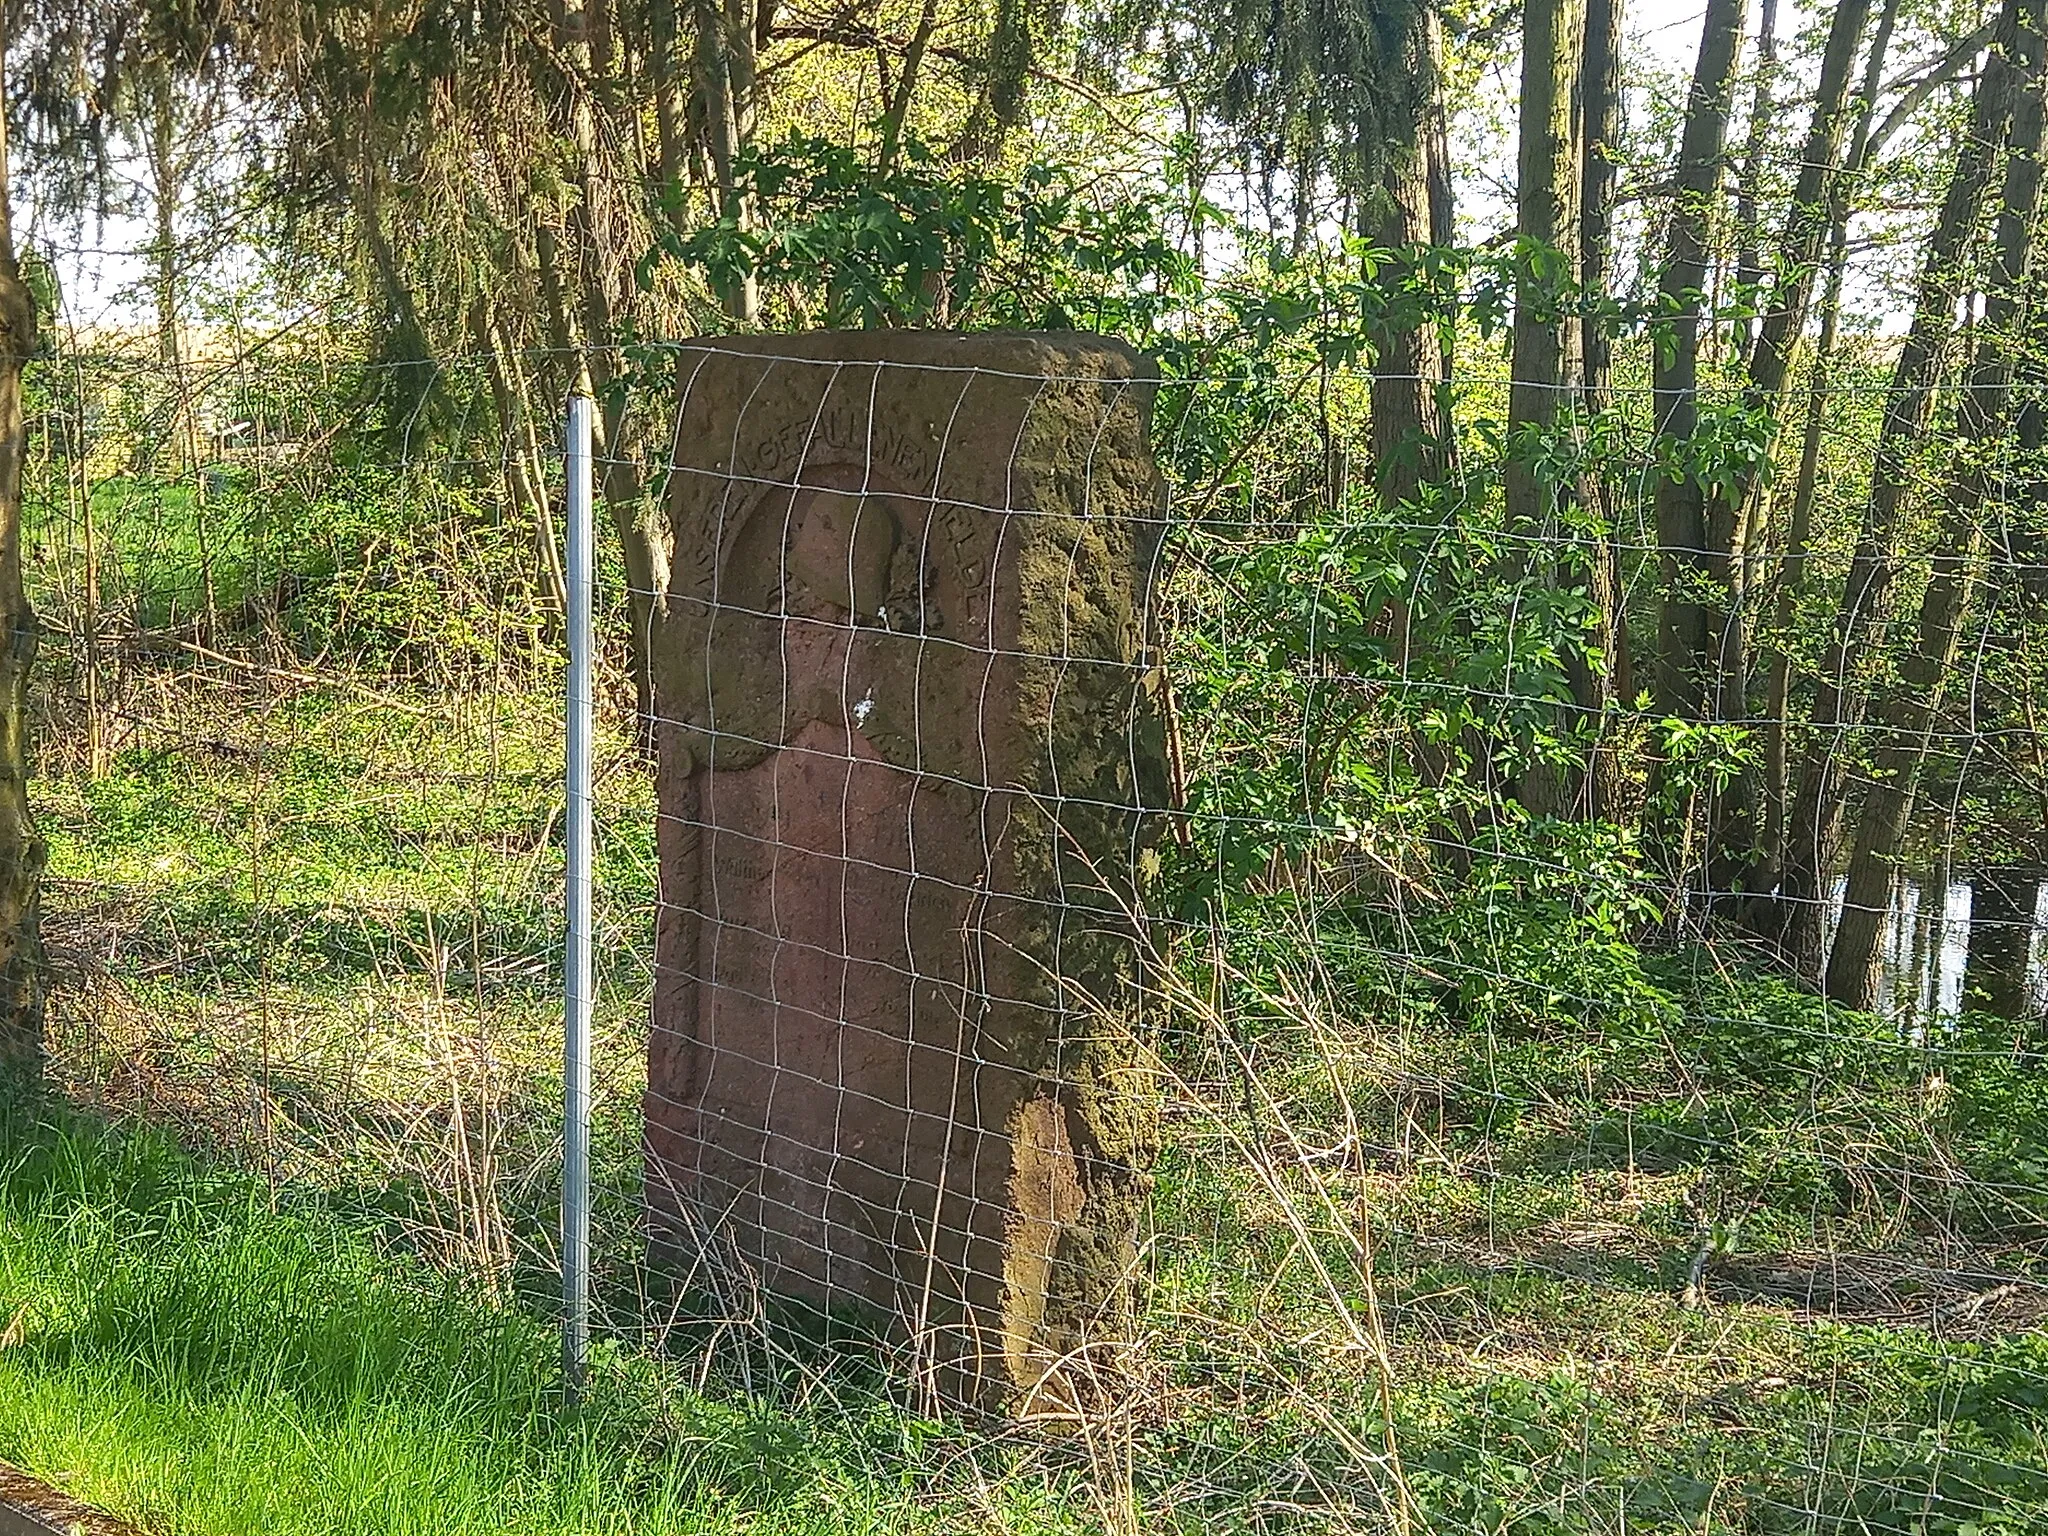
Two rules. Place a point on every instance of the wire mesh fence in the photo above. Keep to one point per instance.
(1090, 896)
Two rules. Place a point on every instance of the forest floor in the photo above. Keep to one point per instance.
(274, 1253)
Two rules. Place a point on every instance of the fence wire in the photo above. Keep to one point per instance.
(1504, 1177)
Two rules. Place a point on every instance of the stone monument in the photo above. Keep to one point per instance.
(907, 741)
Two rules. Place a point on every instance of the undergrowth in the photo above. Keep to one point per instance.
(1655, 1243)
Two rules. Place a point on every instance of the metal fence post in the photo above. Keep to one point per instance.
(576, 969)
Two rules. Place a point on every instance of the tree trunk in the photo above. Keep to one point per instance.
(601, 266)
(1907, 719)
(1547, 194)
(1407, 420)
(1791, 585)
(1735, 512)
(1807, 222)
(1684, 622)
(671, 110)
(1685, 617)
(1600, 135)
(22, 853)
(1601, 124)
(1436, 154)
(725, 72)
(1907, 715)
(1793, 920)
(2029, 532)
(166, 194)
(898, 109)
(415, 380)
(1544, 386)
(1749, 265)
(1733, 518)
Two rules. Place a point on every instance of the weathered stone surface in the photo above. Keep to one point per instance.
(907, 730)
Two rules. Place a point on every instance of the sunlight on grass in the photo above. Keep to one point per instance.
(192, 1359)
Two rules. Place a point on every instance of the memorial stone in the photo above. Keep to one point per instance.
(908, 738)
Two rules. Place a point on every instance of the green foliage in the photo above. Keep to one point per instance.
(416, 579)
(1729, 445)
(921, 241)
(1417, 655)
(1544, 928)
(1304, 88)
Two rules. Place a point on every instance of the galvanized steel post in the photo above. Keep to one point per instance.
(576, 985)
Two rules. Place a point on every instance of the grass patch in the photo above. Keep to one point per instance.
(196, 1358)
